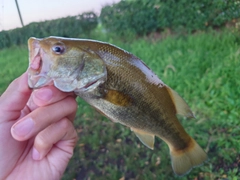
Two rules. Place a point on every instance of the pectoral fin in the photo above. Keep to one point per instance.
(145, 138)
(181, 106)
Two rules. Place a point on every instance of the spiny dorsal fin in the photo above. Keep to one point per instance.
(181, 106)
(145, 138)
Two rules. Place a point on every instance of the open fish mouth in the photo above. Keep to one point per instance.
(37, 71)
(43, 70)
(38, 76)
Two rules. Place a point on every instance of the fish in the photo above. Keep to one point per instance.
(120, 86)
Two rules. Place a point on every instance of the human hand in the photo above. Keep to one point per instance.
(37, 136)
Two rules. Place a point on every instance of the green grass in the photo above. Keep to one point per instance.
(204, 69)
(13, 62)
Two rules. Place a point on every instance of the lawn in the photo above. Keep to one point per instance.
(203, 68)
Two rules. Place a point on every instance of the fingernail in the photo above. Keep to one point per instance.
(44, 94)
(35, 154)
(23, 128)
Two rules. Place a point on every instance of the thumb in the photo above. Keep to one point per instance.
(14, 99)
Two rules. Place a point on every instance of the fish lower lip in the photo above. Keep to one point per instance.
(37, 81)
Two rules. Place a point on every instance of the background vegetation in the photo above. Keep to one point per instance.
(135, 18)
(203, 67)
(75, 26)
(144, 16)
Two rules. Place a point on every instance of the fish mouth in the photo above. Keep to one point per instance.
(42, 72)
(37, 71)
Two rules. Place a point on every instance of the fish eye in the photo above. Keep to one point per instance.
(58, 49)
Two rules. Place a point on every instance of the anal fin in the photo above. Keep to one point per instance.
(145, 138)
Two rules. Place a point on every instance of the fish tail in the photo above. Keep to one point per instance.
(185, 159)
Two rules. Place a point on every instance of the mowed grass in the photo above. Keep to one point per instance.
(204, 69)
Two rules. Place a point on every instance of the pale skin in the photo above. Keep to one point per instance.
(37, 136)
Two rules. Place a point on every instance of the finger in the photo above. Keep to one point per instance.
(25, 111)
(15, 97)
(42, 117)
(63, 131)
(45, 96)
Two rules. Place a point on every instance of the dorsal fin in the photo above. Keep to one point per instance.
(181, 106)
(145, 138)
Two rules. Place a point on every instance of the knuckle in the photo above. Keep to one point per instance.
(42, 141)
(65, 124)
(71, 104)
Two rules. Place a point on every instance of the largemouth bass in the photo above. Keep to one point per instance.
(120, 86)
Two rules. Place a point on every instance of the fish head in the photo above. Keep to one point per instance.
(66, 63)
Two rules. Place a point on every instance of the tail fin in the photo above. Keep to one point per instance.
(184, 160)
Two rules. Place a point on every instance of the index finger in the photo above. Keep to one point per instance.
(47, 95)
